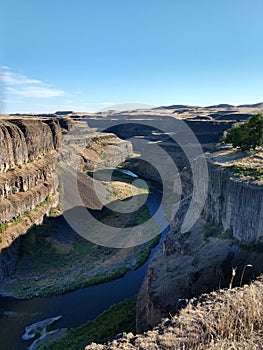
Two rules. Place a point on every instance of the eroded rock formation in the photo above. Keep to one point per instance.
(106, 150)
(27, 180)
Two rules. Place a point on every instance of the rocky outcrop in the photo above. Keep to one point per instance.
(106, 151)
(231, 203)
(187, 267)
(28, 180)
(56, 132)
(25, 178)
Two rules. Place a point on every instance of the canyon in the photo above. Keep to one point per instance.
(228, 234)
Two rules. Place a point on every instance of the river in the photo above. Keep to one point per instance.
(76, 307)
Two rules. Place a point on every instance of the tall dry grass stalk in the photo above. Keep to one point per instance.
(227, 319)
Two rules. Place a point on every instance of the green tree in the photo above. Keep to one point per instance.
(247, 135)
(255, 125)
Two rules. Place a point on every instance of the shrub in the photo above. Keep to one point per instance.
(247, 135)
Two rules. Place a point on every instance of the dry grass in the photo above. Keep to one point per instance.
(230, 319)
(245, 165)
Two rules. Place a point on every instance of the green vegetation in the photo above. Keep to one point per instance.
(53, 262)
(55, 258)
(46, 201)
(60, 266)
(228, 234)
(146, 253)
(211, 231)
(118, 318)
(3, 227)
(17, 220)
(248, 135)
(253, 173)
(27, 289)
(217, 231)
(139, 217)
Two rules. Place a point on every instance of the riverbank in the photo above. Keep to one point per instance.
(48, 271)
(55, 260)
(69, 257)
(117, 319)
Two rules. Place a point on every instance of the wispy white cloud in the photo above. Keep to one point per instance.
(9, 77)
(35, 91)
(23, 86)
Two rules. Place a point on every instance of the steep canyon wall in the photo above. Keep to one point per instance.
(28, 182)
(202, 259)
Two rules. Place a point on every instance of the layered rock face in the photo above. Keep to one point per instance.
(106, 150)
(27, 180)
(13, 145)
(236, 206)
(23, 140)
(202, 259)
(23, 189)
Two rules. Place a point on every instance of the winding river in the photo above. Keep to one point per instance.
(76, 307)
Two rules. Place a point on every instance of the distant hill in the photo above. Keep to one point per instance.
(225, 106)
(255, 105)
(221, 105)
(176, 107)
(63, 112)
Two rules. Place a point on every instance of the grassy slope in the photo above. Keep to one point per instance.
(119, 318)
(48, 266)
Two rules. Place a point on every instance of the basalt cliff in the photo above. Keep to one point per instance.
(28, 182)
(228, 235)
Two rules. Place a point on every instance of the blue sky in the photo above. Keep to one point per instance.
(86, 55)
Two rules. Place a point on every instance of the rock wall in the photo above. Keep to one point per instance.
(231, 203)
(235, 205)
(24, 189)
(202, 259)
(38, 137)
(27, 180)
(23, 140)
(13, 145)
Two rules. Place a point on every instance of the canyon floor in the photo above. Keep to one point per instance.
(54, 259)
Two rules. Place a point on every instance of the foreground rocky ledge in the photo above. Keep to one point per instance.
(229, 318)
